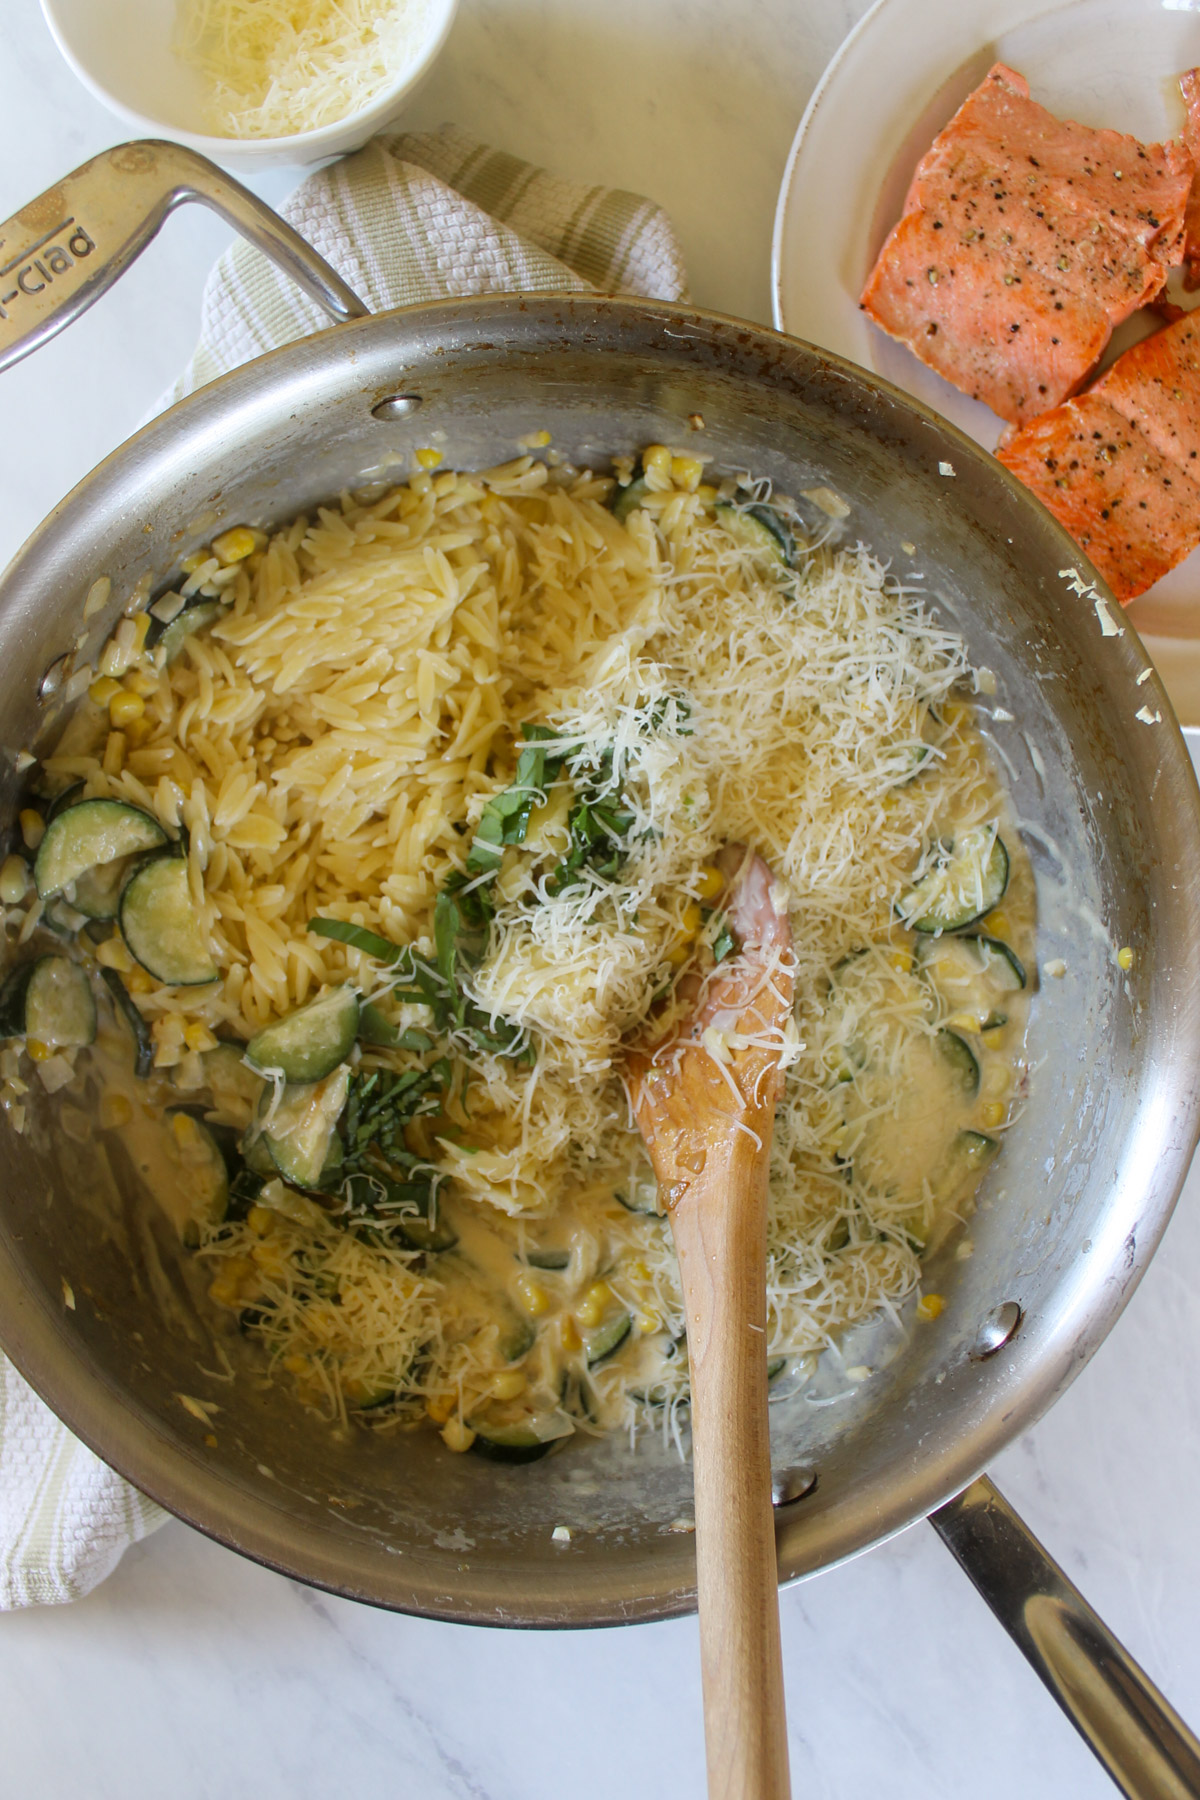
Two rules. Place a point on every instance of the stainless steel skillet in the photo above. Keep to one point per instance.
(1108, 806)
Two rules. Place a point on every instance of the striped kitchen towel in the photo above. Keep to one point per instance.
(406, 219)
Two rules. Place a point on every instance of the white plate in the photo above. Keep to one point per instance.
(891, 87)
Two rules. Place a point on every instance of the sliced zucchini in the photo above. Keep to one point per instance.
(49, 1000)
(953, 1180)
(760, 530)
(970, 971)
(369, 1396)
(775, 1366)
(235, 1088)
(198, 1191)
(640, 1195)
(309, 1043)
(98, 890)
(606, 1339)
(62, 919)
(302, 1127)
(968, 877)
(259, 1160)
(959, 1055)
(91, 832)
(184, 625)
(517, 1337)
(522, 1440)
(68, 796)
(373, 1028)
(160, 927)
(577, 1397)
(123, 1005)
(548, 1259)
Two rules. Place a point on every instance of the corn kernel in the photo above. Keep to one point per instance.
(457, 1436)
(197, 1036)
(678, 954)
(260, 1220)
(191, 563)
(296, 1364)
(533, 1295)
(115, 1111)
(103, 690)
(657, 459)
(439, 1407)
(709, 883)
(901, 960)
(1125, 958)
(38, 1051)
(991, 1115)
(955, 712)
(706, 492)
(140, 681)
(996, 924)
(648, 1321)
(929, 1306)
(692, 918)
(639, 1271)
(141, 628)
(235, 545)
(507, 1384)
(569, 1335)
(686, 472)
(14, 880)
(964, 1021)
(112, 954)
(594, 1304)
(33, 827)
(140, 982)
(124, 707)
(429, 459)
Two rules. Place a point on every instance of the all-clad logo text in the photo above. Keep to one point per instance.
(35, 269)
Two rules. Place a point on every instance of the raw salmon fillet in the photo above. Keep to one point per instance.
(1119, 466)
(1024, 241)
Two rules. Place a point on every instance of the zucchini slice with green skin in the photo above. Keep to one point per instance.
(302, 1128)
(160, 927)
(955, 1179)
(198, 1194)
(235, 1088)
(98, 891)
(640, 1196)
(517, 1337)
(759, 529)
(548, 1259)
(51, 1001)
(962, 1059)
(184, 625)
(309, 1043)
(124, 1007)
(523, 1441)
(970, 970)
(88, 833)
(968, 878)
(606, 1339)
(69, 796)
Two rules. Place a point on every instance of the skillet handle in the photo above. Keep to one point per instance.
(1137, 1735)
(65, 249)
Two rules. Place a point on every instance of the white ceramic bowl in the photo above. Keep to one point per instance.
(121, 51)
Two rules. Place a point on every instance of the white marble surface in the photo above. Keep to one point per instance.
(195, 1674)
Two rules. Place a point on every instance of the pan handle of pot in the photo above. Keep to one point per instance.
(1137, 1735)
(64, 250)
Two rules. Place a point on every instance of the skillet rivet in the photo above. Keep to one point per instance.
(998, 1329)
(792, 1484)
(396, 406)
(52, 680)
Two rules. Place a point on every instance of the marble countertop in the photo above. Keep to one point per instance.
(196, 1674)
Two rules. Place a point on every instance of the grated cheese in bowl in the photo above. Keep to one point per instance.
(275, 68)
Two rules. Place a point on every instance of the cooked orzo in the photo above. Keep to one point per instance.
(376, 836)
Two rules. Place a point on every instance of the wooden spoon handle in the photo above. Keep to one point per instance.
(720, 1236)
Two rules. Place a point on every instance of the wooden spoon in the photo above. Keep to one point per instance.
(704, 1099)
